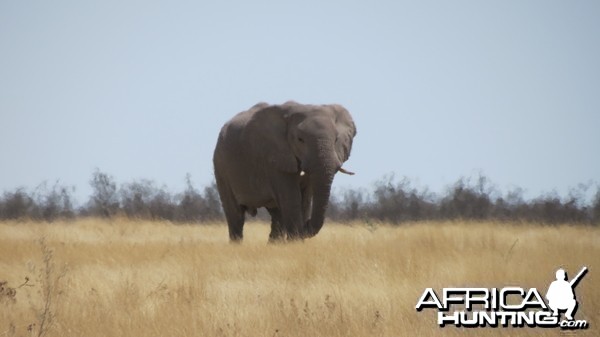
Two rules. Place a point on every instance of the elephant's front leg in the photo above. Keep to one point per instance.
(306, 207)
(277, 232)
(289, 199)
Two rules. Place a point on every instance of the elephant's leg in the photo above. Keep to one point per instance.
(306, 207)
(290, 205)
(277, 232)
(235, 221)
(234, 213)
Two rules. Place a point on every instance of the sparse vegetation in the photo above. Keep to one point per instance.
(43, 296)
(473, 198)
(140, 199)
(389, 201)
(42, 203)
(139, 278)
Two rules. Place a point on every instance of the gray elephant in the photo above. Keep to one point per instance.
(283, 158)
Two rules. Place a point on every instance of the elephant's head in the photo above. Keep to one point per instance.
(311, 141)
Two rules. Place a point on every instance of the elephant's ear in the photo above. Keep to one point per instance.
(346, 130)
(266, 136)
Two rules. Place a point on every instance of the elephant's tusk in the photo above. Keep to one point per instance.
(302, 173)
(343, 170)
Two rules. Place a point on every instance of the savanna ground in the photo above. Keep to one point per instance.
(130, 278)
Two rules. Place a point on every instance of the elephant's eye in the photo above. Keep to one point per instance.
(300, 140)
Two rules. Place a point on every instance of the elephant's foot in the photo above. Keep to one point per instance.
(276, 235)
(236, 241)
(235, 235)
(276, 240)
(296, 236)
(307, 231)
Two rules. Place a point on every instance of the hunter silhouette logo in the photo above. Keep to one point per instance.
(508, 306)
(561, 295)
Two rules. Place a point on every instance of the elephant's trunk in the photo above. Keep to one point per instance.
(321, 181)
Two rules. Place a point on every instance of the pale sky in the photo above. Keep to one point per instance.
(438, 89)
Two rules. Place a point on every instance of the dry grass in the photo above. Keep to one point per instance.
(124, 278)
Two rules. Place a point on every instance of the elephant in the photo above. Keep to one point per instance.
(284, 158)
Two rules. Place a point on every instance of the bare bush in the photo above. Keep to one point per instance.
(43, 203)
(15, 205)
(194, 206)
(468, 201)
(348, 205)
(143, 200)
(596, 208)
(400, 202)
(104, 201)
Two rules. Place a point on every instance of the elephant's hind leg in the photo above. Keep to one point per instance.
(235, 222)
(234, 213)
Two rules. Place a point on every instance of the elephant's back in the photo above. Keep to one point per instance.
(234, 128)
(230, 144)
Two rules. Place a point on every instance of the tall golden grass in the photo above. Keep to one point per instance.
(131, 278)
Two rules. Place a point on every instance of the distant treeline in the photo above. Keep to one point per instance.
(138, 199)
(389, 201)
(473, 198)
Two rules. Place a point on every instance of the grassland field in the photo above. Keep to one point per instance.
(92, 277)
